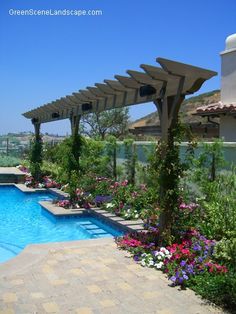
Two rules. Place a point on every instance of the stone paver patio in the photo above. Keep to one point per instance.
(89, 276)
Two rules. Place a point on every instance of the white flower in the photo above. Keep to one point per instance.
(110, 205)
(143, 263)
(159, 257)
(159, 265)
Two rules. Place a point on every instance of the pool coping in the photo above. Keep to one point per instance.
(121, 223)
(23, 188)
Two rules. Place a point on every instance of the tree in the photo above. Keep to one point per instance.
(99, 124)
(67, 154)
(35, 157)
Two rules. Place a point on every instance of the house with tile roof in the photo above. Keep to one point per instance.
(225, 109)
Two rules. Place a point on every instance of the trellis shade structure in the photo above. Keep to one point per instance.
(166, 86)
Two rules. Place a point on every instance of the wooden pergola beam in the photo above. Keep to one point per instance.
(170, 84)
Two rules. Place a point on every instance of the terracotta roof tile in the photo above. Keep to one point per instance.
(217, 108)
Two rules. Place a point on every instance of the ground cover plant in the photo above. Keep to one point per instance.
(9, 161)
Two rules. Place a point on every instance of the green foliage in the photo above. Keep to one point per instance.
(209, 162)
(216, 215)
(72, 186)
(51, 169)
(220, 289)
(35, 158)
(225, 250)
(130, 160)
(169, 170)
(214, 191)
(8, 161)
(111, 149)
(98, 125)
(130, 201)
(218, 203)
(93, 160)
(35, 155)
(67, 155)
(50, 152)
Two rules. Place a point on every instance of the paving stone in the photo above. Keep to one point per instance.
(125, 286)
(7, 311)
(9, 297)
(17, 282)
(37, 295)
(94, 289)
(84, 310)
(107, 303)
(59, 282)
(50, 307)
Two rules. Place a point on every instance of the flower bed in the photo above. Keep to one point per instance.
(47, 182)
(120, 198)
(179, 261)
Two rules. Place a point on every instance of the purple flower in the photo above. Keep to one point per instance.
(200, 259)
(153, 229)
(185, 277)
(150, 245)
(189, 269)
(173, 278)
(102, 198)
(197, 247)
(136, 258)
(182, 263)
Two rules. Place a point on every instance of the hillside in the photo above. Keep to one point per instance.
(188, 107)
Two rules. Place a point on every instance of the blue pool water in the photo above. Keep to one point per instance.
(23, 221)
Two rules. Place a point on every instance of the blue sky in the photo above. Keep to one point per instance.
(47, 57)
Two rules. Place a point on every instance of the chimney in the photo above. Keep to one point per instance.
(228, 71)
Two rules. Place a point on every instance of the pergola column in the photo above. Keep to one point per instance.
(168, 109)
(75, 121)
(37, 131)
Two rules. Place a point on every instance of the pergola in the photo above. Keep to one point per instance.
(166, 86)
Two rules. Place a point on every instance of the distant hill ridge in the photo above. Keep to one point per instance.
(187, 109)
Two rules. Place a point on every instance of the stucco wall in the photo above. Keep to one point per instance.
(228, 128)
(228, 76)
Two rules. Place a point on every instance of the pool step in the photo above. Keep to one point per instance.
(93, 229)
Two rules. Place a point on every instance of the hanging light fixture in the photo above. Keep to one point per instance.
(147, 90)
(55, 115)
(87, 106)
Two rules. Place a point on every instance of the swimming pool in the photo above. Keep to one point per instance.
(23, 221)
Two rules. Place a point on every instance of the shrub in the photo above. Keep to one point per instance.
(220, 289)
(8, 161)
(35, 158)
